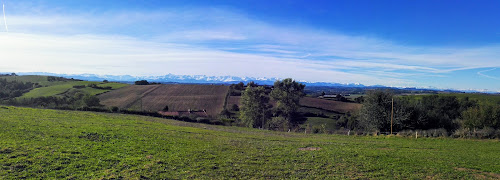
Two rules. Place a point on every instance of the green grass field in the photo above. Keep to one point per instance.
(55, 88)
(49, 144)
(354, 96)
(63, 87)
(327, 123)
(42, 80)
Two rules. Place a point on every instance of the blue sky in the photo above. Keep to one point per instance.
(443, 44)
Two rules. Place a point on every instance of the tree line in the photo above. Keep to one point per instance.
(78, 100)
(13, 89)
(450, 114)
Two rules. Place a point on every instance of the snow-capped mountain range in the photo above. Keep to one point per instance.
(204, 79)
(172, 78)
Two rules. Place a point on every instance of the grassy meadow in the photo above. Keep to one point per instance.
(49, 144)
(42, 80)
(61, 87)
(326, 123)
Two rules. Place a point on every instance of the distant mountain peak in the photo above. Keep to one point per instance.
(204, 79)
(199, 79)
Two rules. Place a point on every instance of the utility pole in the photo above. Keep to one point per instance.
(392, 113)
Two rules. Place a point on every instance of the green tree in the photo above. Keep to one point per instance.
(440, 111)
(376, 112)
(480, 117)
(225, 113)
(254, 111)
(359, 99)
(91, 101)
(251, 84)
(142, 82)
(239, 86)
(287, 94)
(235, 107)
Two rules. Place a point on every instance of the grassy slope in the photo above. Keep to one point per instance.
(65, 86)
(328, 123)
(42, 80)
(85, 145)
(58, 87)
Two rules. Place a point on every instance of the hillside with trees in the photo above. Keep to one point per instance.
(432, 115)
(52, 92)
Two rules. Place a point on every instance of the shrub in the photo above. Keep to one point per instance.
(278, 123)
(91, 101)
(227, 121)
(406, 133)
(439, 132)
(497, 134)
(319, 129)
(115, 109)
(235, 93)
(203, 120)
(235, 107)
(225, 113)
(462, 133)
(142, 82)
(485, 133)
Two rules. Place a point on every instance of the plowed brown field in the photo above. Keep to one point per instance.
(337, 106)
(178, 97)
(341, 107)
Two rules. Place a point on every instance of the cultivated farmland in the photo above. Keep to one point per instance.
(176, 96)
(233, 100)
(337, 106)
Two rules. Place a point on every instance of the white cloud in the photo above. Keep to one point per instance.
(214, 41)
(481, 73)
(116, 55)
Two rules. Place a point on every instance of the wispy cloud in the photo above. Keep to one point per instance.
(481, 73)
(215, 41)
(4, 18)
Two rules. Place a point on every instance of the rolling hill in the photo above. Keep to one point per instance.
(178, 97)
(61, 86)
(56, 144)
